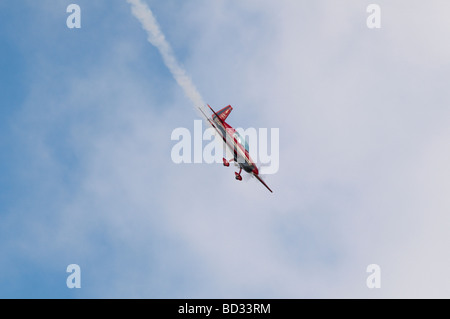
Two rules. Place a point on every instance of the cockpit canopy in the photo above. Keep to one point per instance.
(241, 140)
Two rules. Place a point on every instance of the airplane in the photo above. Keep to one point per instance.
(235, 143)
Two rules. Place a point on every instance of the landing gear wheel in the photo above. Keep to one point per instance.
(225, 162)
(238, 176)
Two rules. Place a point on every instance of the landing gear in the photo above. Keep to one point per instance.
(238, 175)
(225, 162)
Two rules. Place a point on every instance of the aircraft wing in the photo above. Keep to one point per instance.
(209, 120)
(260, 179)
(203, 113)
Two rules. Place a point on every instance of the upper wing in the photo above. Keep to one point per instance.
(210, 121)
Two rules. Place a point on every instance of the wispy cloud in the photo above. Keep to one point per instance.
(364, 174)
(155, 36)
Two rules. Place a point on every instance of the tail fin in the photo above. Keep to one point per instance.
(223, 113)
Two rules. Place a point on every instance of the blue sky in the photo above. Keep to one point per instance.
(86, 177)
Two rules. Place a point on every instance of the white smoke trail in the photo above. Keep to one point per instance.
(143, 13)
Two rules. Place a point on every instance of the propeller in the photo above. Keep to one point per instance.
(246, 177)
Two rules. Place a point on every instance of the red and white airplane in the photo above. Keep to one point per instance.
(235, 143)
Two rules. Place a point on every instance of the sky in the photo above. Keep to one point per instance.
(86, 175)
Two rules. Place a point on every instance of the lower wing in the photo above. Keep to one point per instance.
(259, 179)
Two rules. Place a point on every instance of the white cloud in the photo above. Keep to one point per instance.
(363, 164)
(354, 118)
